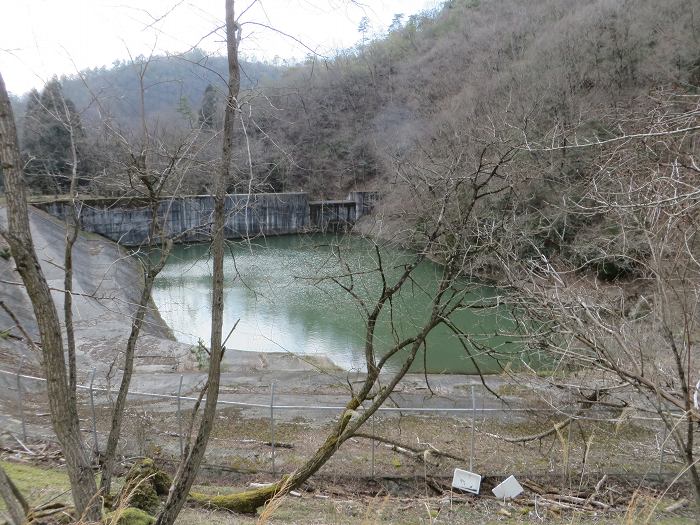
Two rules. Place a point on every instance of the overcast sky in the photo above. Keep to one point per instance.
(40, 38)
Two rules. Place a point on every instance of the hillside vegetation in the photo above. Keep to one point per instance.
(468, 90)
(436, 94)
(449, 75)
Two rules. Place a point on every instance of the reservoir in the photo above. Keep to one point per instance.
(283, 291)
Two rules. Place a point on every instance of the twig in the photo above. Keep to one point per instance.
(22, 444)
(19, 326)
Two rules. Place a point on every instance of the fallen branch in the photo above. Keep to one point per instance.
(41, 514)
(266, 443)
(673, 507)
(533, 437)
(582, 502)
(29, 451)
(420, 455)
(600, 483)
(534, 487)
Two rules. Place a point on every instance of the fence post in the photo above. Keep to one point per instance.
(502, 415)
(373, 443)
(179, 416)
(568, 453)
(94, 416)
(663, 445)
(20, 401)
(471, 452)
(272, 427)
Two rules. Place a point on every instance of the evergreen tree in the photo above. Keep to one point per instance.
(184, 109)
(32, 119)
(208, 114)
(49, 120)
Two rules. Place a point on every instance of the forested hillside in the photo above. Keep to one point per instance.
(427, 96)
(449, 74)
(174, 85)
(107, 105)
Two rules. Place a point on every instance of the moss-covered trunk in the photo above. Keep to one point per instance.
(249, 501)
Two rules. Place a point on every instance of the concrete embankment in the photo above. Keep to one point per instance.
(107, 284)
(188, 218)
(107, 280)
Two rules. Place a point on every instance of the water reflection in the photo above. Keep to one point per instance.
(276, 287)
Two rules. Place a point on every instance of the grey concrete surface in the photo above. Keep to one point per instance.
(188, 218)
(106, 287)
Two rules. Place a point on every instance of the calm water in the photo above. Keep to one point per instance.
(276, 288)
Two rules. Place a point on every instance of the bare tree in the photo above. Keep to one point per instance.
(154, 167)
(625, 313)
(152, 181)
(64, 414)
(188, 468)
(445, 198)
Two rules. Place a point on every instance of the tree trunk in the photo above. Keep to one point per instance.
(120, 405)
(64, 414)
(188, 469)
(71, 237)
(249, 501)
(692, 466)
(350, 421)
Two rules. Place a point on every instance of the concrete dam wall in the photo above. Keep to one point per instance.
(189, 218)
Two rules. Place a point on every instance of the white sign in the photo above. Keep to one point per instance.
(466, 481)
(507, 489)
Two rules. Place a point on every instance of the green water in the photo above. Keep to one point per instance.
(277, 288)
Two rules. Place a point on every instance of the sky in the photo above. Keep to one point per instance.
(42, 38)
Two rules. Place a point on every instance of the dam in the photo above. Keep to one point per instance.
(188, 219)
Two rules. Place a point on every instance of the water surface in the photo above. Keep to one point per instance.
(280, 289)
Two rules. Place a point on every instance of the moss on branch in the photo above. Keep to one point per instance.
(246, 502)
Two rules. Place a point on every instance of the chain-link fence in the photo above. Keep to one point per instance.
(267, 435)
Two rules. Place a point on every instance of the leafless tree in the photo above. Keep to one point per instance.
(189, 466)
(446, 196)
(64, 414)
(624, 315)
(151, 173)
(151, 179)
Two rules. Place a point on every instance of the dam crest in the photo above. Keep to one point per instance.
(186, 219)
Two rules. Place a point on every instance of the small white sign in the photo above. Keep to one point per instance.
(466, 481)
(507, 489)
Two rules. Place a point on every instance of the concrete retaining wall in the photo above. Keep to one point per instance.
(341, 215)
(332, 216)
(188, 219)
